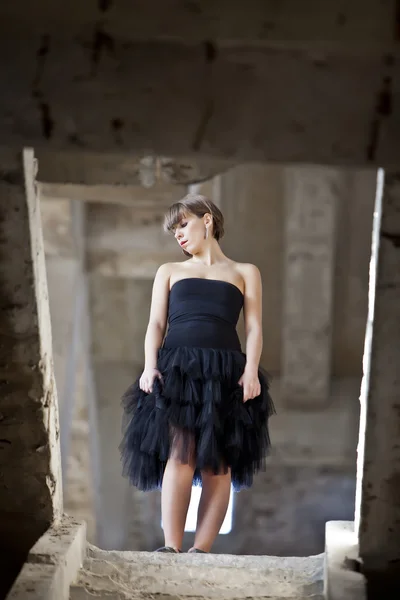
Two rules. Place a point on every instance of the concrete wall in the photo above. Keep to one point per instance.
(30, 465)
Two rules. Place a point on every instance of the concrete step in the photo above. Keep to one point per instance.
(116, 575)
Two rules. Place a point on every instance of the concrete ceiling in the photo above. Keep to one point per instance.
(262, 81)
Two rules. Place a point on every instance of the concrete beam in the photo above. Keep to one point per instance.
(148, 174)
(160, 195)
(125, 236)
(379, 526)
(258, 101)
(30, 464)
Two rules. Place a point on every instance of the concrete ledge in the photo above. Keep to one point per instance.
(342, 579)
(53, 563)
(123, 575)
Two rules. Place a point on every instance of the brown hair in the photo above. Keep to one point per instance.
(198, 205)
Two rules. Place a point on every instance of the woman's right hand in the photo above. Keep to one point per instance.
(147, 379)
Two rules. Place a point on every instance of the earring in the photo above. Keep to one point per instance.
(206, 234)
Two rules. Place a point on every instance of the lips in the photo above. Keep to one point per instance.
(183, 243)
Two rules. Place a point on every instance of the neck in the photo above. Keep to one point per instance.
(210, 255)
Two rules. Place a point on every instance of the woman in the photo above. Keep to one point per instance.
(199, 412)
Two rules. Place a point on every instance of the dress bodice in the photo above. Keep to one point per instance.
(203, 313)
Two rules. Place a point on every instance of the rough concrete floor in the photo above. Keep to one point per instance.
(138, 575)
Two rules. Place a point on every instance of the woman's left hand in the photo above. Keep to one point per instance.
(250, 384)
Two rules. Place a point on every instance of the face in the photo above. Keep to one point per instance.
(189, 232)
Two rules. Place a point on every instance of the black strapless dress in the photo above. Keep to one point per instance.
(199, 402)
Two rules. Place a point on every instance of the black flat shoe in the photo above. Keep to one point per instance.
(167, 549)
(197, 551)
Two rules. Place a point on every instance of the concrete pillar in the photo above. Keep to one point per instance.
(87, 412)
(379, 524)
(30, 462)
(311, 199)
(83, 478)
(64, 238)
(250, 198)
(63, 266)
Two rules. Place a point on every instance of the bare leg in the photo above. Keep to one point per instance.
(212, 508)
(175, 499)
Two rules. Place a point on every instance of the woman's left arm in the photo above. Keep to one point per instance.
(253, 327)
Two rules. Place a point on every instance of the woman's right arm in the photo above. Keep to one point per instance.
(156, 327)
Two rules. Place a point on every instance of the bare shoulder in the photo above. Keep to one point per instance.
(251, 276)
(169, 268)
(249, 272)
(168, 271)
(163, 275)
(164, 270)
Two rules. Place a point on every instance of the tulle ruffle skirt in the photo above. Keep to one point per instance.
(197, 412)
